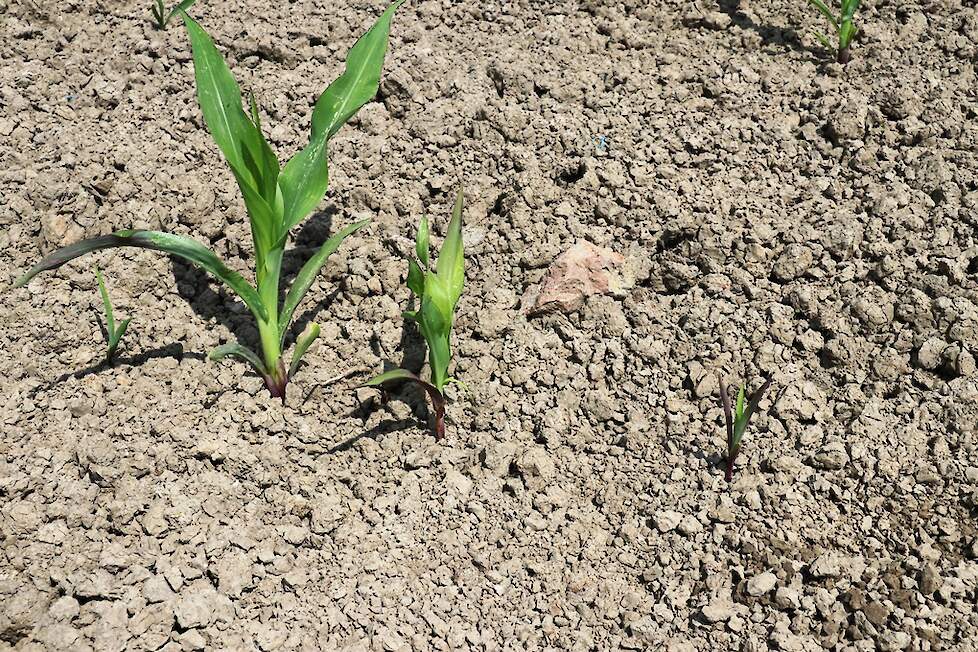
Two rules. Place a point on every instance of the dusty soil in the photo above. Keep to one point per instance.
(785, 217)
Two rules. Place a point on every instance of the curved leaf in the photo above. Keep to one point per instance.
(305, 277)
(175, 245)
(238, 351)
(421, 244)
(302, 344)
(451, 264)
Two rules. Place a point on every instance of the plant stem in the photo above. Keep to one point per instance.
(843, 55)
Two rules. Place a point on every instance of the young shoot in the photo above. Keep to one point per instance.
(438, 287)
(162, 18)
(277, 197)
(737, 418)
(113, 333)
(842, 24)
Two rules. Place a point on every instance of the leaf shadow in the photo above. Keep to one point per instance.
(210, 300)
(385, 427)
(173, 350)
(311, 235)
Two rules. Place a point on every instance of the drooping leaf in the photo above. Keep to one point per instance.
(451, 264)
(242, 352)
(175, 245)
(305, 277)
(305, 177)
(392, 376)
(421, 244)
(302, 344)
(389, 379)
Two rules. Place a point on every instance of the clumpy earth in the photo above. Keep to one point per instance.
(781, 216)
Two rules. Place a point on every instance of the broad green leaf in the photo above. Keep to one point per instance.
(825, 11)
(305, 277)
(305, 177)
(436, 326)
(302, 344)
(106, 304)
(175, 245)
(421, 244)
(242, 143)
(303, 182)
(241, 352)
(451, 264)
(359, 82)
(415, 279)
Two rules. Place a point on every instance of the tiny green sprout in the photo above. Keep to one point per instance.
(737, 418)
(161, 16)
(277, 198)
(843, 25)
(112, 333)
(438, 287)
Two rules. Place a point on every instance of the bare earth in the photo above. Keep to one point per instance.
(783, 216)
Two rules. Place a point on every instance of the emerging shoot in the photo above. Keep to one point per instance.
(113, 333)
(438, 289)
(277, 197)
(737, 418)
(843, 25)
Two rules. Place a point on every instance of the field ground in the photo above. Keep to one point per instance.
(783, 216)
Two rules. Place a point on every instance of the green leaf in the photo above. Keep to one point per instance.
(825, 11)
(107, 306)
(846, 32)
(179, 9)
(415, 278)
(421, 243)
(821, 37)
(305, 177)
(849, 8)
(117, 335)
(242, 143)
(435, 323)
(175, 245)
(451, 264)
(305, 277)
(302, 343)
(394, 375)
(359, 82)
(241, 352)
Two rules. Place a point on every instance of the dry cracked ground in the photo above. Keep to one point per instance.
(780, 215)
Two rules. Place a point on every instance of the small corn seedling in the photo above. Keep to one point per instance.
(737, 418)
(438, 288)
(277, 199)
(113, 333)
(843, 25)
(161, 16)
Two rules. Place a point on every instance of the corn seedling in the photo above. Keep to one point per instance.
(843, 25)
(113, 333)
(438, 288)
(737, 418)
(277, 198)
(161, 16)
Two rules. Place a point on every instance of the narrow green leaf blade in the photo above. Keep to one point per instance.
(359, 82)
(451, 264)
(302, 344)
(106, 304)
(394, 375)
(305, 277)
(116, 336)
(825, 11)
(242, 352)
(180, 8)
(175, 245)
(421, 244)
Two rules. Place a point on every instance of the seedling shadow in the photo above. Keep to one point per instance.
(174, 350)
(212, 301)
(311, 235)
(779, 36)
(385, 427)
